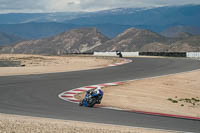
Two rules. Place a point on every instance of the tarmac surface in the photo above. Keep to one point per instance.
(37, 95)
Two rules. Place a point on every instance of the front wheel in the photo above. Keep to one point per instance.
(81, 103)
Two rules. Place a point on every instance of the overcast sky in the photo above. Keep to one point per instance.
(12, 6)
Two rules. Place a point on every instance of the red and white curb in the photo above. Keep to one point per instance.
(70, 95)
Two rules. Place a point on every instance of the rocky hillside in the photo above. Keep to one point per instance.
(191, 44)
(133, 40)
(6, 39)
(90, 40)
(73, 41)
(187, 44)
(147, 41)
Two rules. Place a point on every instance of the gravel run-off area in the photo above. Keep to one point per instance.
(25, 124)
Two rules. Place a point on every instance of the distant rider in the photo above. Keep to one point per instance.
(119, 53)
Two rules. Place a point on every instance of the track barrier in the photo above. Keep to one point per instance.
(125, 54)
(193, 54)
(166, 54)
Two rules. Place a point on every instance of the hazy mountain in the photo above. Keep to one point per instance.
(73, 41)
(47, 29)
(156, 19)
(109, 22)
(181, 31)
(36, 30)
(17, 18)
(8, 39)
(133, 40)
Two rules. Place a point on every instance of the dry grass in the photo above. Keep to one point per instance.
(24, 124)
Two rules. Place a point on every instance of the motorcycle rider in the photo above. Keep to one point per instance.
(99, 94)
(119, 53)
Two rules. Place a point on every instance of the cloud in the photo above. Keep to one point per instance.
(82, 5)
(63, 5)
(107, 4)
(22, 5)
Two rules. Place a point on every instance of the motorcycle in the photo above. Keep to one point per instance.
(91, 98)
(119, 54)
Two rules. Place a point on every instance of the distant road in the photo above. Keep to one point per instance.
(37, 95)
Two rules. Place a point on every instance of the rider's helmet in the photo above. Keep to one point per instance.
(97, 90)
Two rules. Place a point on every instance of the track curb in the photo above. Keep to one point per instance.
(70, 95)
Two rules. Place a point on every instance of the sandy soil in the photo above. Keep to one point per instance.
(36, 64)
(173, 94)
(24, 124)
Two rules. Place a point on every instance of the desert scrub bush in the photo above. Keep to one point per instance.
(172, 100)
(192, 101)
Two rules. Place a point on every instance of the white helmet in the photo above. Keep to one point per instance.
(97, 90)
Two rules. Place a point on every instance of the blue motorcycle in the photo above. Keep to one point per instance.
(91, 98)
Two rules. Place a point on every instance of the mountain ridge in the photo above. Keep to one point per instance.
(73, 41)
(86, 40)
(133, 39)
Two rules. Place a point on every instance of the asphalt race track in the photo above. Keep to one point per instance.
(37, 95)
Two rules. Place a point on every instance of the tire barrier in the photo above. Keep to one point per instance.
(85, 53)
(168, 54)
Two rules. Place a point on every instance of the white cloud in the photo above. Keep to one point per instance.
(22, 5)
(82, 5)
(63, 5)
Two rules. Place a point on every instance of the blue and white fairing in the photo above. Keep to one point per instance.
(92, 94)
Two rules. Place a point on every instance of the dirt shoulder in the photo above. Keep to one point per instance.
(25, 124)
(174, 94)
(37, 64)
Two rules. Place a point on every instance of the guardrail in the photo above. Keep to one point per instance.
(125, 54)
(193, 54)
